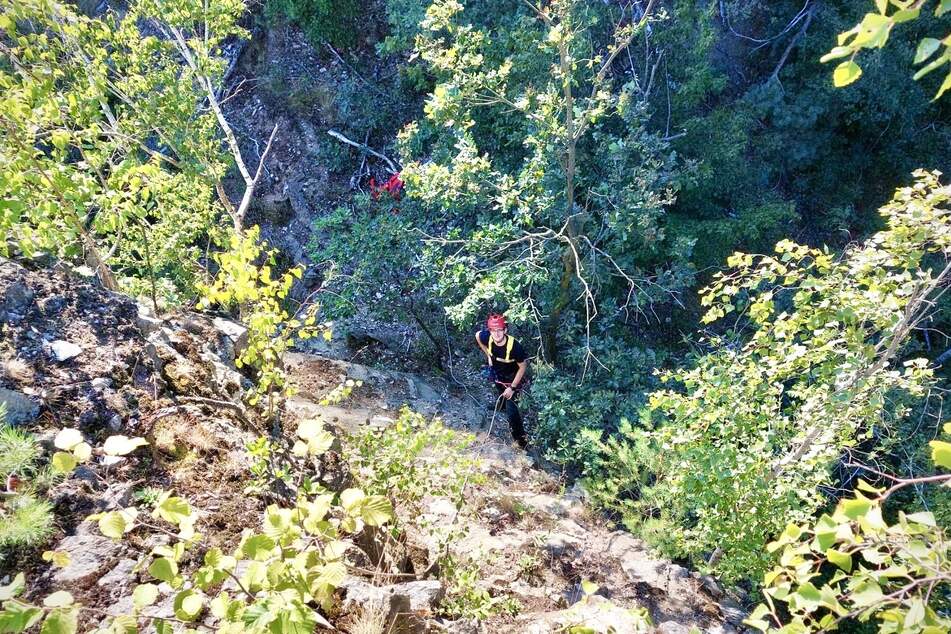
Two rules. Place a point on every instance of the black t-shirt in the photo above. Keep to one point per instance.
(505, 370)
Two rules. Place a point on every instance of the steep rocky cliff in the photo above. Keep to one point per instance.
(74, 355)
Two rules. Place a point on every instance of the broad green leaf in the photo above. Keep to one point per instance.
(59, 558)
(254, 576)
(915, 614)
(846, 73)
(309, 428)
(13, 588)
(59, 599)
(124, 624)
(188, 605)
(17, 616)
(113, 524)
(376, 510)
(257, 617)
(172, 509)
(866, 593)
(840, 559)
(122, 445)
(59, 138)
(162, 626)
(336, 549)
(163, 569)
(219, 605)
(856, 507)
(63, 462)
(331, 574)
(925, 517)
(926, 48)
(905, 15)
(60, 622)
(214, 558)
(144, 595)
(258, 547)
(868, 488)
(67, 438)
(757, 618)
(350, 498)
(82, 452)
(808, 597)
(941, 453)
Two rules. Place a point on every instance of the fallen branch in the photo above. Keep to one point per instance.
(365, 148)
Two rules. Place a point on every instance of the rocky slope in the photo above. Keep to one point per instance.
(72, 354)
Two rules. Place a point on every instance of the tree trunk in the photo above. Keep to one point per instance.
(569, 270)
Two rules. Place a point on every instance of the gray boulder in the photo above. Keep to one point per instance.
(89, 557)
(20, 408)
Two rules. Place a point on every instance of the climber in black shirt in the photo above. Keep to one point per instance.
(508, 365)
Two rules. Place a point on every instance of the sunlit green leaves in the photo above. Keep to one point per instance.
(164, 569)
(59, 599)
(60, 621)
(122, 445)
(83, 116)
(856, 564)
(873, 31)
(144, 595)
(314, 439)
(941, 453)
(188, 605)
(115, 524)
(64, 462)
(759, 421)
(17, 616)
(846, 73)
(67, 438)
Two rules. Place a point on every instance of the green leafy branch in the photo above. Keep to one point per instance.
(855, 564)
(873, 31)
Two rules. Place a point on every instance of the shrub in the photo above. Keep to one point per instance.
(412, 459)
(333, 21)
(26, 521)
(19, 451)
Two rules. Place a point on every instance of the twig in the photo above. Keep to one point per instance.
(228, 405)
(792, 44)
(354, 71)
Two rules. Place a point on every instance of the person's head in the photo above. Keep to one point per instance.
(497, 327)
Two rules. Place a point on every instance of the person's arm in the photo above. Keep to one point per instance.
(482, 347)
(522, 369)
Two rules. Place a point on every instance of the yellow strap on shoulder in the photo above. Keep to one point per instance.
(508, 348)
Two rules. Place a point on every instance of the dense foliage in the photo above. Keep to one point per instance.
(583, 167)
(864, 566)
(107, 151)
(749, 443)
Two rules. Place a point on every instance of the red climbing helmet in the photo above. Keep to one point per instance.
(496, 322)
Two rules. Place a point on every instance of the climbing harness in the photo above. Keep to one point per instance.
(508, 348)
